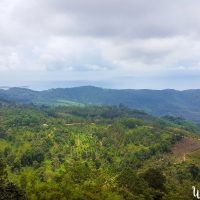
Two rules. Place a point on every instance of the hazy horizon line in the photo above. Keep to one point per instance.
(4, 87)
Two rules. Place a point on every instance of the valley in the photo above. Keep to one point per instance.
(184, 104)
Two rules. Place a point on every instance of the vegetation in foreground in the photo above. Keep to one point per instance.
(94, 153)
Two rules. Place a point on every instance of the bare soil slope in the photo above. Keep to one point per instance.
(185, 146)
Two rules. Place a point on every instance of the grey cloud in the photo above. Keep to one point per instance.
(99, 35)
(113, 18)
(131, 18)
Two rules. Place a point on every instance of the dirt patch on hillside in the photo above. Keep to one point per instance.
(185, 146)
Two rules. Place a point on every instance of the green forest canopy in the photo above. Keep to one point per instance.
(93, 153)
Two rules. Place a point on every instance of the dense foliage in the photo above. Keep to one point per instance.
(92, 153)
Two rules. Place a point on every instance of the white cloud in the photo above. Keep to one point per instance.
(114, 37)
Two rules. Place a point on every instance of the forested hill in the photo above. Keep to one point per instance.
(95, 153)
(158, 102)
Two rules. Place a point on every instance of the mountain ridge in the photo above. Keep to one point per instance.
(184, 103)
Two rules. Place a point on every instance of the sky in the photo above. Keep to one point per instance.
(153, 44)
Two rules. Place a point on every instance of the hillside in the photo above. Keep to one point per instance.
(185, 104)
(94, 153)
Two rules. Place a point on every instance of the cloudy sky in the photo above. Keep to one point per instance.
(111, 43)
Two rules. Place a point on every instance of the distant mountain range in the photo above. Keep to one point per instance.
(184, 104)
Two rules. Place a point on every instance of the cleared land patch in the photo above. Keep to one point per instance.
(185, 146)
